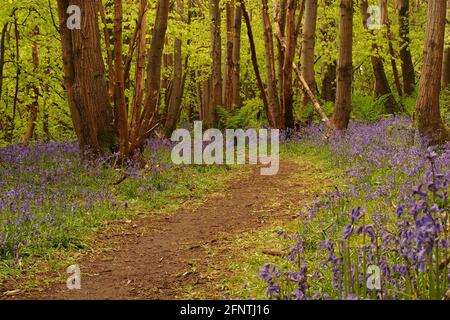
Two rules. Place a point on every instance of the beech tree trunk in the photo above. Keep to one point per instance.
(85, 79)
(289, 55)
(382, 87)
(445, 81)
(139, 81)
(274, 112)
(228, 73)
(155, 56)
(263, 93)
(2, 55)
(309, 32)
(329, 33)
(429, 121)
(236, 74)
(387, 23)
(119, 87)
(35, 104)
(216, 67)
(405, 53)
(343, 105)
(177, 82)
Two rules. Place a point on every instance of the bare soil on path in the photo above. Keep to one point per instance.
(150, 258)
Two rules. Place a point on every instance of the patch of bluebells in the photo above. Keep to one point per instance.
(47, 190)
(393, 214)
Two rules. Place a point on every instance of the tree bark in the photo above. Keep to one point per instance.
(139, 82)
(445, 79)
(309, 32)
(236, 73)
(289, 55)
(387, 23)
(119, 92)
(274, 112)
(263, 93)
(35, 103)
(85, 78)
(155, 56)
(177, 82)
(2, 56)
(429, 121)
(216, 67)
(405, 53)
(328, 31)
(228, 73)
(343, 105)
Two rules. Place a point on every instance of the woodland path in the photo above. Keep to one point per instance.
(149, 258)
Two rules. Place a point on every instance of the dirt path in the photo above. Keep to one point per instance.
(150, 258)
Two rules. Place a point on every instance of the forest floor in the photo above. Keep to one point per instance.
(189, 253)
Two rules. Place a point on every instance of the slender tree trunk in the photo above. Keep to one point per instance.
(405, 53)
(119, 92)
(382, 87)
(216, 67)
(177, 82)
(343, 105)
(17, 77)
(445, 79)
(328, 31)
(35, 103)
(273, 100)
(387, 23)
(309, 33)
(236, 72)
(429, 121)
(286, 83)
(109, 52)
(263, 93)
(228, 73)
(280, 11)
(85, 78)
(2, 56)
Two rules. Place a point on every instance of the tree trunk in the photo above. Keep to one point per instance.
(155, 56)
(216, 67)
(2, 56)
(119, 92)
(139, 82)
(289, 55)
(343, 105)
(309, 32)
(445, 80)
(429, 120)
(35, 104)
(228, 73)
(387, 23)
(263, 93)
(177, 82)
(274, 113)
(236, 74)
(382, 87)
(280, 10)
(328, 31)
(405, 53)
(85, 78)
